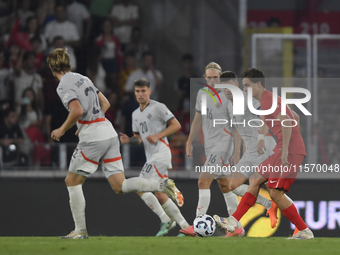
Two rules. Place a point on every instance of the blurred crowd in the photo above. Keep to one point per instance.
(105, 43)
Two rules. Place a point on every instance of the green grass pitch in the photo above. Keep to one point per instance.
(167, 245)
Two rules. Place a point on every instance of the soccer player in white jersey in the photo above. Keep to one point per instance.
(98, 141)
(218, 144)
(149, 126)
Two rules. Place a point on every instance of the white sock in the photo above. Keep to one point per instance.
(232, 203)
(172, 210)
(203, 201)
(242, 189)
(77, 204)
(141, 185)
(151, 201)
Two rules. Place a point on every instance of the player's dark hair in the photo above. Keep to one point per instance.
(227, 76)
(59, 60)
(142, 82)
(255, 75)
(147, 53)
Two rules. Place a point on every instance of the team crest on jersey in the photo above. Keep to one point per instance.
(218, 105)
(149, 116)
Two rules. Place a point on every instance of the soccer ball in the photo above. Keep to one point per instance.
(204, 225)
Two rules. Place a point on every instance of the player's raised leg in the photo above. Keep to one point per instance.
(172, 210)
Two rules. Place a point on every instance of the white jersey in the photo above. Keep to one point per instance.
(249, 134)
(151, 121)
(215, 138)
(92, 125)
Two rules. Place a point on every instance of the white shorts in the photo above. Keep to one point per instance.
(88, 156)
(251, 159)
(154, 171)
(217, 162)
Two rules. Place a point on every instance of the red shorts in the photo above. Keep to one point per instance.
(277, 175)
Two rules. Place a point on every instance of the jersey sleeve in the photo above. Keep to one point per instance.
(67, 95)
(164, 113)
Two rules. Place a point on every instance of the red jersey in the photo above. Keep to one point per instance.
(296, 143)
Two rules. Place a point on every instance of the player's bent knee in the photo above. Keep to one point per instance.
(233, 185)
(276, 194)
(204, 183)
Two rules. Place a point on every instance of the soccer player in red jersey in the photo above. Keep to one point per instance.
(289, 153)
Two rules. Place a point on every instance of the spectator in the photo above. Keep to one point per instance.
(112, 56)
(78, 14)
(30, 123)
(99, 10)
(124, 15)
(129, 67)
(183, 83)
(137, 45)
(113, 113)
(96, 71)
(30, 115)
(148, 72)
(4, 79)
(24, 12)
(45, 12)
(36, 46)
(32, 28)
(5, 104)
(11, 137)
(12, 56)
(59, 42)
(26, 77)
(62, 27)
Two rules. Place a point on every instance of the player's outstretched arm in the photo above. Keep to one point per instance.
(104, 103)
(173, 127)
(286, 133)
(76, 111)
(195, 127)
(238, 140)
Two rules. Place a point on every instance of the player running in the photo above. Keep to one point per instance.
(251, 158)
(218, 144)
(98, 141)
(289, 152)
(149, 126)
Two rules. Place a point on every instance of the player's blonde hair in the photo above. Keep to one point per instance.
(59, 60)
(213, 65)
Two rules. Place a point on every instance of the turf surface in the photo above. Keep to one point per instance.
(167, 245)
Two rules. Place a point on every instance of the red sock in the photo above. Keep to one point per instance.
(247, 201)
(292, 215)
